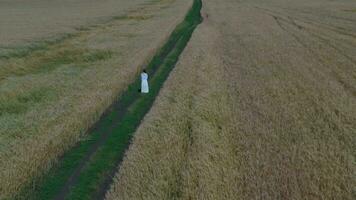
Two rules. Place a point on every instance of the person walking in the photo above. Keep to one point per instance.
(144, 82)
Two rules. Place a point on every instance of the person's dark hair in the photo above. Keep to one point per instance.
(144, 71)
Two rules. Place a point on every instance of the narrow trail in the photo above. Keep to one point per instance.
(86, 170)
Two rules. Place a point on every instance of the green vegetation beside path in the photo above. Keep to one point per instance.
(86, 171)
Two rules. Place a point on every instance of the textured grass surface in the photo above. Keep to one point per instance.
(102, 164)
(58, 17)
(260, 106)
(51, 95)
(105, 160)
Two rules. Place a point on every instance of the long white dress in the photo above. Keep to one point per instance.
(144, 82)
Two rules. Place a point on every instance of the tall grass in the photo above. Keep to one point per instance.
(133, 107)
(251, 111)
(50, 96)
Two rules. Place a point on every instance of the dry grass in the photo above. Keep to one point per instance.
(261, 106)
(24, 21)
(190, 110)
(50, 96)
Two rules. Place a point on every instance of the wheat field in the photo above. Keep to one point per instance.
(52, 93)
(260, 106)
(23, 21)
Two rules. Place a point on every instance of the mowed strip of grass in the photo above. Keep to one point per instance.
(97, 172)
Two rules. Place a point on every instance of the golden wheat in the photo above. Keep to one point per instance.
(50, 97)
(260, 106)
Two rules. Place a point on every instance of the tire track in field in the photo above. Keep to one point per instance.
(338, 77)
(99, 155)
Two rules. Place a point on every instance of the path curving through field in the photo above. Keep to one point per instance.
(86, 171)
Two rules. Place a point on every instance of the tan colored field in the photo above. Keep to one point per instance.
(49, 97)
(260, 106)
(24, 21)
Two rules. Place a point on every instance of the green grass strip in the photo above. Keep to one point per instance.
(99, 170)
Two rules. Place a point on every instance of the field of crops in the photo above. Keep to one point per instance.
(51, 92)
(260, 102)
(260, 106)
(24, 21)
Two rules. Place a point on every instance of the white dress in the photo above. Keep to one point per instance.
(144, 83)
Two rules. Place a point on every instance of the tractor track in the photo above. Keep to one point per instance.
(115, 127)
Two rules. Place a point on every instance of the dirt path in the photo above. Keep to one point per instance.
(101, 127)
(86, 171)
